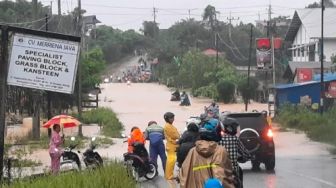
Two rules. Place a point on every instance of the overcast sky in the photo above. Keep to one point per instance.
(129, 14)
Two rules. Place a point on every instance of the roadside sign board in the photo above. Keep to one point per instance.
(43, 63)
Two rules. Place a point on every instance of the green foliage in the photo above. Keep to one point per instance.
(317, 127)
(115, 43)
(113, 174)
(150, 29)
(93, 64)
(226, 91)
(207, 91)
(105, 117)
(247, 91)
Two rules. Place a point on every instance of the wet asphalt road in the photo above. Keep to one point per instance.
(299, 162)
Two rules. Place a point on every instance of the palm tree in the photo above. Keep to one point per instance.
(210, 15)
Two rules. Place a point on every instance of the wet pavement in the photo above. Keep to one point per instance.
(299, 162)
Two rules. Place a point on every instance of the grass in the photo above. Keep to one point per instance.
(112, 175)
(317, 127)
(105, 117)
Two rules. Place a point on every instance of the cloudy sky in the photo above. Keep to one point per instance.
(129, 14)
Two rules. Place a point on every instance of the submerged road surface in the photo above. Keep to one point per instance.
(299, 162)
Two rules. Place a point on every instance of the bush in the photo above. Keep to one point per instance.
(112, 175)
(247, 91)
(206, 91)
(317, 127)
(226, 91)
(105, 117)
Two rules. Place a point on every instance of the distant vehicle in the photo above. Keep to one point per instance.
(106, 80)
(257, 136)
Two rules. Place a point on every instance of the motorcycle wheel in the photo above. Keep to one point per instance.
(135, 174)
(129, 168)
(153, 172)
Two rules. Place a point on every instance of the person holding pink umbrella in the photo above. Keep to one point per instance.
(55, 149)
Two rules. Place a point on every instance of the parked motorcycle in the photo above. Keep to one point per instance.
(91, 158)
(70, 159)
(138, 163)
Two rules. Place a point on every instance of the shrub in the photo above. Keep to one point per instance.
(226, 91)
(206, 91)
(317, 127)
(105, 117)
(112, 175)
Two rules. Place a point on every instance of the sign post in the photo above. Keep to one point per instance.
(39, 60)
(3, 88)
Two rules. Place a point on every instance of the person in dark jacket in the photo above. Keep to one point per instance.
(155, 134)
(186, 142)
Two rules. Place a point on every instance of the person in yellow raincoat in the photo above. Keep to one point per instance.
(171, 135)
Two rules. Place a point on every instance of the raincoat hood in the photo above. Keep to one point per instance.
(206, 148)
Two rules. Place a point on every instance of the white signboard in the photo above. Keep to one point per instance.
(43, 63)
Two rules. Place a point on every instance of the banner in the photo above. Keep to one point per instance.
(43, 63)
(263, 52)
(304, 74)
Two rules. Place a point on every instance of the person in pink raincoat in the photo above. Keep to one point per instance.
(55, 149)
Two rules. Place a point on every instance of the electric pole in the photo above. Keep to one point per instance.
(79, 33)
(322, 58)
(249, 68)
(59, 7)
(230, 18)
(34, 12)
(154, 14)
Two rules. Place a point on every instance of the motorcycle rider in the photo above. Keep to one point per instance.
(171, 135)
(155, 134)
(205, 161)
(233, 146)
(136, 136)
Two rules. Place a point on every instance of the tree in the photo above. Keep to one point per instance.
(150, 29)
(93, 64)
(327, 4)
(226, 91)
(247, 91)
(210, 15)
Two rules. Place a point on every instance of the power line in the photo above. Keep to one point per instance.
(49, 20)
(30, 22)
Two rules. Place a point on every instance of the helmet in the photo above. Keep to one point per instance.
(230, 126)
(168, 115)
(213, 183)
(195, 120)
(209, 135)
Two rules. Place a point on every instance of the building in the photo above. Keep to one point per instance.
(304, 35)
(298, 93)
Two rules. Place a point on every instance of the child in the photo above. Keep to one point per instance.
(136, 136)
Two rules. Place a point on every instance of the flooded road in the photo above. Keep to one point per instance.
(299, 162)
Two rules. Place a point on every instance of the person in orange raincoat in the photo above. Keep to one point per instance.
(136, 136)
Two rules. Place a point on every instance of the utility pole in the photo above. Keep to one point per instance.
(189, 13)
(322, 58)
(34, 12)
(216, 43)
(230, 18)
(51, 8)
(59, 7)
(154, 14)
(79, 33)
(49, 115)
(249, 67)
(3, 93)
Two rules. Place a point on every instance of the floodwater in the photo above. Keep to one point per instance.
(299, 162)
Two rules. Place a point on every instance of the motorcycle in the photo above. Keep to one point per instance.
(138, 163)
(70, 159)
(91, 158)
